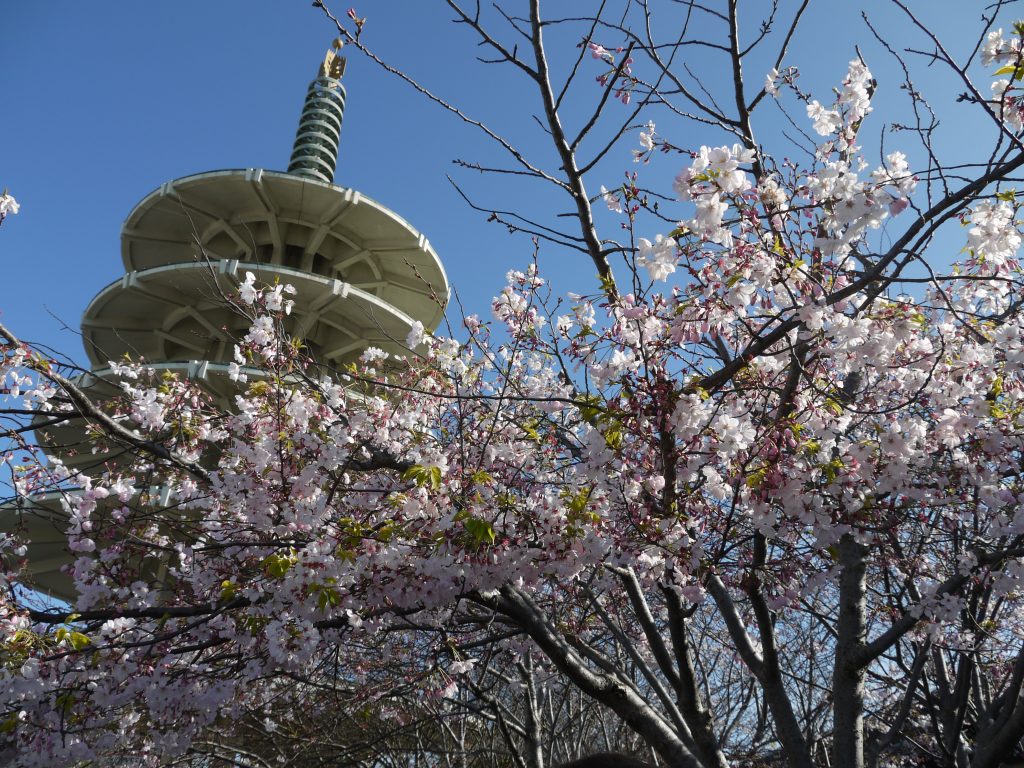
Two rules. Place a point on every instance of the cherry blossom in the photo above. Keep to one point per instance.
(998, 50)
(658, 258)
(611, 199)
(826, 121)
(8, 204)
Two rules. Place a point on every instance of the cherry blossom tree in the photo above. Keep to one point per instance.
(756, 496)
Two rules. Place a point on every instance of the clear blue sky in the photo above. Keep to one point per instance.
(104, 101)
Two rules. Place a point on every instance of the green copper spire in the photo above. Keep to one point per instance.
(315, 153)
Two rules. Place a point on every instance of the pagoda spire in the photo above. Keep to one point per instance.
(315, 152)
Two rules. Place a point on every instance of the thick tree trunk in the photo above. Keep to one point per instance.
(535, 755)
(848, 675)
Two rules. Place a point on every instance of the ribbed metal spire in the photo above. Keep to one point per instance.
(315, 153)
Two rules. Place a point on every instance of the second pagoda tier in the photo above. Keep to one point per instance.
(183, 312)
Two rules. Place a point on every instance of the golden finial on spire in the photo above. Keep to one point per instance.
(333, 65)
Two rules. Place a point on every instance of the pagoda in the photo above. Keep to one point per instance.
(362, 274)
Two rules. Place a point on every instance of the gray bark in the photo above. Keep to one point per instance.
(847, 675)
